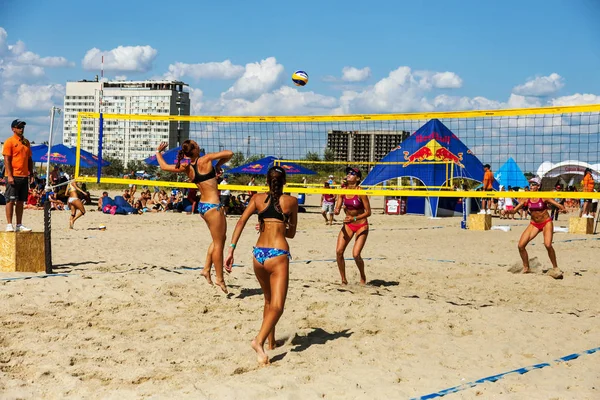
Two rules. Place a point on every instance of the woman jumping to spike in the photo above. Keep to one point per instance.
(357, 209)
(277, 216)
(540, 222)
(201, 171)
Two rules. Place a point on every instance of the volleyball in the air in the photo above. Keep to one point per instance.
(300, 78)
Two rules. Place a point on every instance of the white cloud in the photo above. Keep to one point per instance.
(39, 97)
(352, 74)
(30, 58)
(121, 77)
(540, 86)
(120, 59)
(446, 80)
(257, 79)
(196, 96)
(575, 99)
(11, 74)
(282, 101)
(3, 41)
(456, 103)
(517, 101)
(211, 70)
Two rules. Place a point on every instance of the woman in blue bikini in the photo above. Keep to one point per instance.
(200, 171)
(277, 216)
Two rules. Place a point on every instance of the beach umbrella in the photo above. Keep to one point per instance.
(261, 167)
(64, 155)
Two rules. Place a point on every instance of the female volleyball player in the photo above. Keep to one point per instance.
(540, 222)
(357, 209)
(277, 216)
(200, 171)
(74, 203)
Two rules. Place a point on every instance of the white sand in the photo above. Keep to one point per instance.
(130, 324)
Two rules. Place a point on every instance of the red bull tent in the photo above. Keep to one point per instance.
(261, 167)
(421, 155)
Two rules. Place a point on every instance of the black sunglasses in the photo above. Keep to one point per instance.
(351, 172)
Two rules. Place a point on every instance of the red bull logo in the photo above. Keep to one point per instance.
(55, 157)
(433, 151)
(253, 167)
(422, 154)
(443, 154)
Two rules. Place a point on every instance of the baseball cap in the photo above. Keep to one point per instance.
(355, 170)
(331, 176)
(17, 123)
(535, 180)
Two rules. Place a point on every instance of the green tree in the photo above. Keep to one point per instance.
(237, 159)
(329, 155)
(114, 169)
(254, 158)
(312, 156)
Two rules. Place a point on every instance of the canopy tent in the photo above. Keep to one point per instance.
(570, 172)
(261, 167)
(65, 155)
(511, 175)
(434, 155)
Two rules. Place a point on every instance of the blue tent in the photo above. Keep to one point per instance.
(433, 154)
(261, 167)
(61, 154)
(511, 175)
(170, 156)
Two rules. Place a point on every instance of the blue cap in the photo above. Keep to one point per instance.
(17, 123)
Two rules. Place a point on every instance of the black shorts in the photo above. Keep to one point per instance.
(18, 191)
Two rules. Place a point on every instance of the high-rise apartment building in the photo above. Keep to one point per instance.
(123, 139)
(363, 145)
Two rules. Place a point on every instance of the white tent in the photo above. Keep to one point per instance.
(570, 172)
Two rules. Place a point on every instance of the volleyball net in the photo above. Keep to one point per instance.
(438, 154)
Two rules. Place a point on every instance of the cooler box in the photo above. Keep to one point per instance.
(301, 198)
(392, 206)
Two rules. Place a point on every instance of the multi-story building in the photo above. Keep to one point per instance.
(124, 139)
(363, 145)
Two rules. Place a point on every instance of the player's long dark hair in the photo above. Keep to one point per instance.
(276, 181)
(187, 149)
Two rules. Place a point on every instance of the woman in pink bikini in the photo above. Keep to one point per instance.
(540, 222)
(357, 210)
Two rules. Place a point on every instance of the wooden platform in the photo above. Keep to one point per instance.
(581, 225)
(479, 222)
(22, 252)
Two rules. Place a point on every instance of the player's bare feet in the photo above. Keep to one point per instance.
(206, 274)
(261, 356)
(526, 271)
(222, 285)
(556, 273)
(363, 281)
(344, 282)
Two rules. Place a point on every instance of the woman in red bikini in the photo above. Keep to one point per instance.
(540, 222)
(357, 210)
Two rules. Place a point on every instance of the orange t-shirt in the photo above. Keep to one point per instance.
(20, 152)
(588, 183)
(488, 179)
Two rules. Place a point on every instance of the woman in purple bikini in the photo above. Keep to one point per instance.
(357, 209)
(277, 216)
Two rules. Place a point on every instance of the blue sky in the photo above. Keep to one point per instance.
(362, 57)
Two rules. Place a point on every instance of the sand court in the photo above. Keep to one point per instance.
(134, 320)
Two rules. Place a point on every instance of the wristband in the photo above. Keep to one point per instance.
(232, 245)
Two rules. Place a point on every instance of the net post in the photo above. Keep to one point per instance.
(47, 237)
(100, 140)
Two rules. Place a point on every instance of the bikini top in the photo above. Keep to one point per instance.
(538, 205)
(271, 212)
(354, 203)
(202, 177)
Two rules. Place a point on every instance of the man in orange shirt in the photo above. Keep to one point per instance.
(18, 171)
(488, 179)
(588, 186)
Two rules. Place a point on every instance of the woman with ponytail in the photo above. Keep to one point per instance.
(277, 216)
(201, 171)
